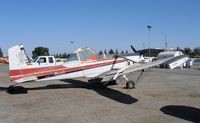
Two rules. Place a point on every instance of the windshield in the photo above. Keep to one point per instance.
(72, 57)
(85, 54)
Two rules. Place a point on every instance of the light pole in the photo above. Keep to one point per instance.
(165, 45)
(149, 29)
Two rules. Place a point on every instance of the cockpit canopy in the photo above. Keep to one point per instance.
(72, 57)
(82, 54)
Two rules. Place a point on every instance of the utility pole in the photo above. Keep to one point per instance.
(149, 29)
(165, 42)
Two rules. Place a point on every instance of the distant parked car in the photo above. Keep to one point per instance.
(196, 63)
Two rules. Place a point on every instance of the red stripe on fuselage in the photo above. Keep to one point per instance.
(33, 70)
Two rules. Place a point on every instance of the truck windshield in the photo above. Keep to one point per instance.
(35, 59)
(72, 57)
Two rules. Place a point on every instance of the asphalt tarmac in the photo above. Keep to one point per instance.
(161, 96)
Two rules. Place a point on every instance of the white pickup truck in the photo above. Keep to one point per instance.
(46, 61)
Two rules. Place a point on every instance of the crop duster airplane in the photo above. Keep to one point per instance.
(82, 63)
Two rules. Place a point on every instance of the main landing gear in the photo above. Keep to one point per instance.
(129, 83)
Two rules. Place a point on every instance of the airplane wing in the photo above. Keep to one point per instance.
(114, 74)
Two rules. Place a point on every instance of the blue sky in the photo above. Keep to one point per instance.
(99, 24)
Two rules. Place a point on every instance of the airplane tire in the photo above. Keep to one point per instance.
(130, 84)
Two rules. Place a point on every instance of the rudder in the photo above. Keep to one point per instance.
(17, 60)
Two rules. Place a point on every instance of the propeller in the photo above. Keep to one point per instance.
(135, 51)
(117, 56)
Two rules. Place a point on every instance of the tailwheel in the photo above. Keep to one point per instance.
(130, 84)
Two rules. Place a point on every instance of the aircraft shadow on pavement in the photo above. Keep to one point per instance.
(184, 112)
(102, 90)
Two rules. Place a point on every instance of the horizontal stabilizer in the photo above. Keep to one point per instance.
(177, 61)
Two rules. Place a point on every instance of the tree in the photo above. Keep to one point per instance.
(105, 52)
(111, 51)
(60, 55)
(192, 54)
(187, 50)
(64, 55)
(1, 53)
(197, 51)
(100, 52)
(122, 52)
(40, 51)
(126, 51)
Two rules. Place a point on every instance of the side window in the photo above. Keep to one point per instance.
(42, 60)
(85, 54)
(50, 59)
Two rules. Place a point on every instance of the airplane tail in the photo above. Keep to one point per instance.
(18, 60)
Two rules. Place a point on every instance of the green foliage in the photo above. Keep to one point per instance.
(105, 52)
(197, 51)
(100, 52)
(64, 55)
(187, 50)
(40, 51)
(60, 55)
(192, 53)
(111, 51)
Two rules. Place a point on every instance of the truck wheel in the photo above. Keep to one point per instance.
(130, 84)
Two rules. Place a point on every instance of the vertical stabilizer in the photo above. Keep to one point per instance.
(17, 57)
(18, 63)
